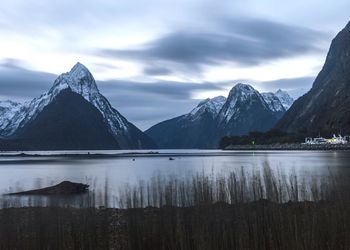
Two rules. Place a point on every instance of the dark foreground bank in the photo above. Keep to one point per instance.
(238, 210)
(254, 225)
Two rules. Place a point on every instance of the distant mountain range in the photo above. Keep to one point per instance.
(326, 107)
(74, 115)
(71, 115)
(244, 110)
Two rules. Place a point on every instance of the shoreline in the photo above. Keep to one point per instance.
(291, 147)
(215, 152)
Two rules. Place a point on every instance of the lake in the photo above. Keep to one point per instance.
(118, 168)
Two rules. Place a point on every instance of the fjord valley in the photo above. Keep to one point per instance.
(177, 125)
(73, 115)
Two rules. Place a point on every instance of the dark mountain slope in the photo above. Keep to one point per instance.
(193, 130)
(15, 118)
(326, 107)
(68, 122)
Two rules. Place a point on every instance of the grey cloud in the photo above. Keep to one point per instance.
(20, 84)
(173, 90)
(142, 103)
(247, 42)
(156, 71)
(146, 104)
(294, 86)
(289, 84)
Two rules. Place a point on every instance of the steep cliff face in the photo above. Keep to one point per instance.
(326, 107)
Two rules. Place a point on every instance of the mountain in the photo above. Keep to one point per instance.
(244, 110)
(7, 109)
(284, 98)
(69, 122)
(326, 106)
(193, 130)
(20, 122)
(274, 103)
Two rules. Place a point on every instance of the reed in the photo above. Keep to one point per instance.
(240, 210)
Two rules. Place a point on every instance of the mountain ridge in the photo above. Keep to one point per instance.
(204, 129)
(79, 80)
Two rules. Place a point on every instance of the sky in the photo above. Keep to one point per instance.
(156, 59)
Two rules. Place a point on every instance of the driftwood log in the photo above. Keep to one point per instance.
(63, 188)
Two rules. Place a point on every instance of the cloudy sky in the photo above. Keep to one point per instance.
(154, 59)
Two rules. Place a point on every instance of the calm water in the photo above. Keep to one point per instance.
(21, 173)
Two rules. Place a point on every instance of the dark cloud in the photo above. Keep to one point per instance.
(17, 83)
(245, 42)
(156, 71)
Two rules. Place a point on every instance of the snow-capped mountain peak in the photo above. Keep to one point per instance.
(284, 98)
(212, 106)
(80, 81)
(273, 102)
(240, 93)
(79, 71)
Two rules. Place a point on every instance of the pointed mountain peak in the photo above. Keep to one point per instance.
(79, 69)
(241, 95)
(284, 98)
(79, 80)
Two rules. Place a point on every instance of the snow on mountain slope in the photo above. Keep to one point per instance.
(80, 81)
(193, 130)
(8, 104)
(212, 106)
(239, 94)
(8, 109)
(284, 98)
(273, 102)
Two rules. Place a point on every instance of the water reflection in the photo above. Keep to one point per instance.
(22, 173)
